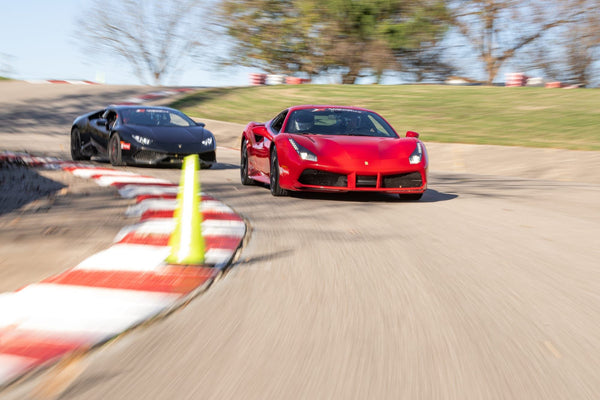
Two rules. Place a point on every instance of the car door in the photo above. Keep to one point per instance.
(259, 153)
(101, 130)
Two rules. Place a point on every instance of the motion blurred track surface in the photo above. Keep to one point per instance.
(485, 289)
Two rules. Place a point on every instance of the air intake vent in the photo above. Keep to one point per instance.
(315, 177)
(409, 180)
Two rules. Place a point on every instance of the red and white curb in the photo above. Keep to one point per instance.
(118, 288)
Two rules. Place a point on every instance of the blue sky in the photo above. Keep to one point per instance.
(38, 38)
(37, 35)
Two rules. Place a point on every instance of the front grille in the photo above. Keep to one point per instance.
(148, 156)
(366, 181)
(315, 177)
(408, 180)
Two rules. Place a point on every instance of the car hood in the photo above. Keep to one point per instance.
(364, 148)
(165, 134)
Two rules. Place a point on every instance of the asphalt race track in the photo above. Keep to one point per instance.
(487, 288)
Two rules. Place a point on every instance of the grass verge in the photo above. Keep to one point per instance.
(531, 117)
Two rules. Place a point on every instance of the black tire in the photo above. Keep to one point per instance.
(114, 150)
(410, 196)
(276, 190)
(246, 180)
(204, 165)
(76, 145)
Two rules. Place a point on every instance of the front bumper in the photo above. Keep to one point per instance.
(313, 179)
(150, 157)
(146, 155)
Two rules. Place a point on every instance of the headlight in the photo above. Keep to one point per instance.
(417, 155)
(142, 140)
(207, 142)
(302, 152)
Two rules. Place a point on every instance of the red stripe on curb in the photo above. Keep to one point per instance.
(165, 196)
(109, 175)
(206, 215)
(37, 346)
(210, 242)
(172, 280)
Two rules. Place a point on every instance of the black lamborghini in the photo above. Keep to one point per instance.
(141, 135)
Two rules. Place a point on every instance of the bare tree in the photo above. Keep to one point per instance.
(570, 54)
(497, 29)
(152, 36)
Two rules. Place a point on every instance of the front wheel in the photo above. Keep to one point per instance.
(276, 190)
(246, 180)
(76, 145)
(114, 150)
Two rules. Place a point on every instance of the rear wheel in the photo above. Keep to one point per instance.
(246, 180)
(76, 145)
(276, 190)
(114, 150)
(205, 165)
(410, 196)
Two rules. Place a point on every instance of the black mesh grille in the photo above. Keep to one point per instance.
(409, 180)
(321, 178)
(155, 156)
(366, 181)
(148, 156)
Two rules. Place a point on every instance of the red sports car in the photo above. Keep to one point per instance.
(333, 148)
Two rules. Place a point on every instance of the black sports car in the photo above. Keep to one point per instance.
(141, 135)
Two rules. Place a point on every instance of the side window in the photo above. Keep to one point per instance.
(277, 122)
(111, 118)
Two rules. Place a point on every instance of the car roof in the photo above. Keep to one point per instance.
(138, 107)
(309, 106)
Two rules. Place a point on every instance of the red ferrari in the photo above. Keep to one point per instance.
(333, 148)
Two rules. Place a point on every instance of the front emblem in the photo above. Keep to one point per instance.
(366, 163)
(179, 146)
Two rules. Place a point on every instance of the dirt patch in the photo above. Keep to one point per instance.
(50, 221)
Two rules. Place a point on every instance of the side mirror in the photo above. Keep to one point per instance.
(202, 124)
(102, 122)
(412, 134)
(259, 132)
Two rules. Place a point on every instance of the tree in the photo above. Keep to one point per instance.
(570, 54)
(154, 37)
(349, 37)
(497, 29)
(265, 35)
(417, 42)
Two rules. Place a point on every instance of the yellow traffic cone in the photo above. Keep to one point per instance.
(186, 241)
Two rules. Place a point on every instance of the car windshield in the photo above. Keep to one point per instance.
(155, 117)
(338, 121)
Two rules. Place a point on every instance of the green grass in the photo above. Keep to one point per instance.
(532, 117)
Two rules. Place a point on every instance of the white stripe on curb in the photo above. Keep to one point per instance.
(211, 227)
(94, 313)
(127, 257)
(89, 172)
(131, 191)
(108, 180)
